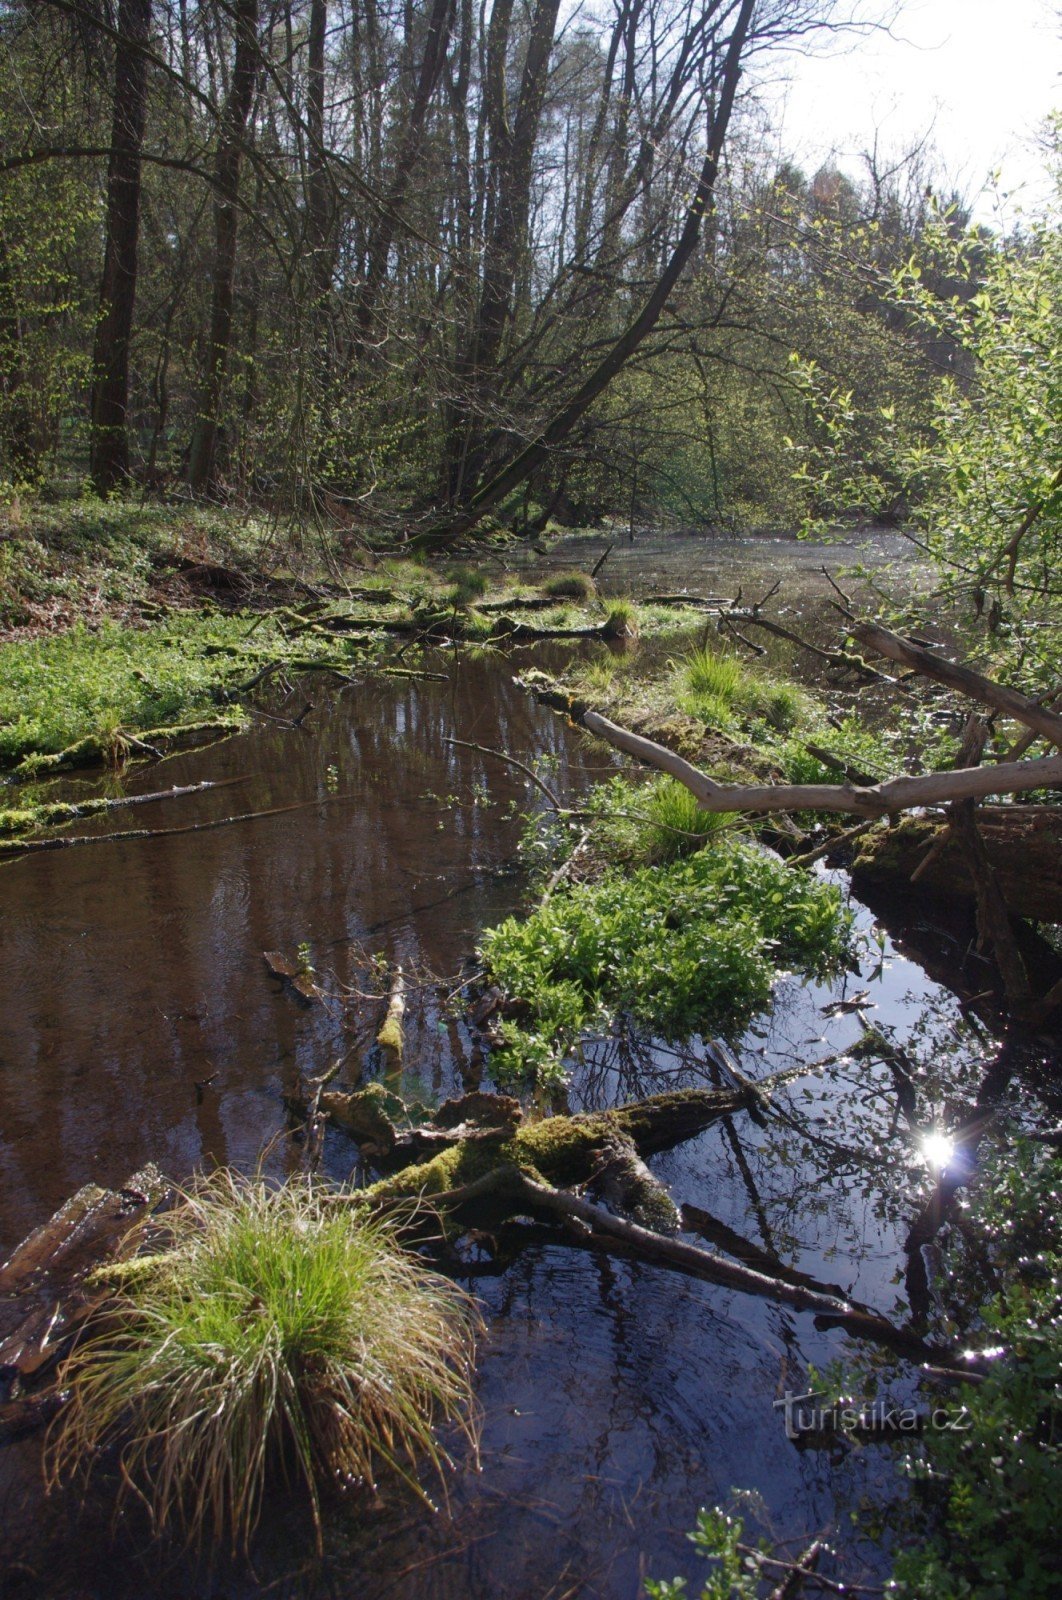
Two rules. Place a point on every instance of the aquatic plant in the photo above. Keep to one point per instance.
(686, 948)
(276, 1333)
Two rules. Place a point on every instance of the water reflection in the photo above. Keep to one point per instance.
(617, 1398)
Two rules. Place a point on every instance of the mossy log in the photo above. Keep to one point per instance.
(1023, 844)
(478, 1134)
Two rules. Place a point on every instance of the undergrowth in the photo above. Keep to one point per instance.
(688, 947)
(100, 684)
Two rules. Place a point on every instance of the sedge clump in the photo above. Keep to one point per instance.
(276, 1335)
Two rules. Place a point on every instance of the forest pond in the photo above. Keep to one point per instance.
(142, 1023)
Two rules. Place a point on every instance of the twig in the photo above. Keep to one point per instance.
(62, 842)
(521, 766)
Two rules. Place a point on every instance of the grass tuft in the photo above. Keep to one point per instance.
(277, 1336)
(570, 586)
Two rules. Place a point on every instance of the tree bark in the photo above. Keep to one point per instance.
(202, 459)
(109, 445)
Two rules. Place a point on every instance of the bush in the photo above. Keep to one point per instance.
(276, 1331)
(998, 1481)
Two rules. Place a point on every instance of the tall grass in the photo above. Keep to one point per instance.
(719, 689)
(570, 586)
(276, 1335)
(675, 824)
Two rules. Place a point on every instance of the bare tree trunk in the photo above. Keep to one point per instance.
(318, 209)
(512, 150)
(109, 447)
(563, 421)
(202, 460)
(440, 24)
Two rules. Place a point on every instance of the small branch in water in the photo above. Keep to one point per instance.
(600, 562)
(521, 766)
(13, 847)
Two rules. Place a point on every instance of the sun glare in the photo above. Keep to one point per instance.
(938, 1148)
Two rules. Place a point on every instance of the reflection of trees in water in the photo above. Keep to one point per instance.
(838, 1172)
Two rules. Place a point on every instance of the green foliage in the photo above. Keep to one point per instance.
(103, 684)
(686, 948)
(998, 1482)
(981, 468)
(718, 1537)
(277, 1334)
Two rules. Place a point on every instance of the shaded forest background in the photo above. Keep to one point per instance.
(356, 254)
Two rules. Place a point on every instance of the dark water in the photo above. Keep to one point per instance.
(616, 1398)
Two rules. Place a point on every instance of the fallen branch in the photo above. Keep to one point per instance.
(973, 684)
(12, 847)
(659, 1248)
(521, 766)
(876, 800)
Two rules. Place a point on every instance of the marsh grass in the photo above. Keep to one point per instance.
(570, 586)
(721, 690)
(675, 823)
(277, 1336)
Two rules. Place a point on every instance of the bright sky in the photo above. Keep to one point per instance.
(982, 73)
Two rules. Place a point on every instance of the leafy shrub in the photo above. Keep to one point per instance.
(718, 1537)
(687, 948)
(997, 1537)
(275, 1333)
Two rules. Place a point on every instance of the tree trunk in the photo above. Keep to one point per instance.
(318, 218)
(440, 23)
(512, 150)
(443, 533)
(202, 460)
(109, 447)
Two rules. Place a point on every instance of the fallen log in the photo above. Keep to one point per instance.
(44, 1290)
(876, 800)
(477, 1134)
(391, 1037)
(1048, 724)
(599, 1226)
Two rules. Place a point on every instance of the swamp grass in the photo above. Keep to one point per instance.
(275, 1337)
